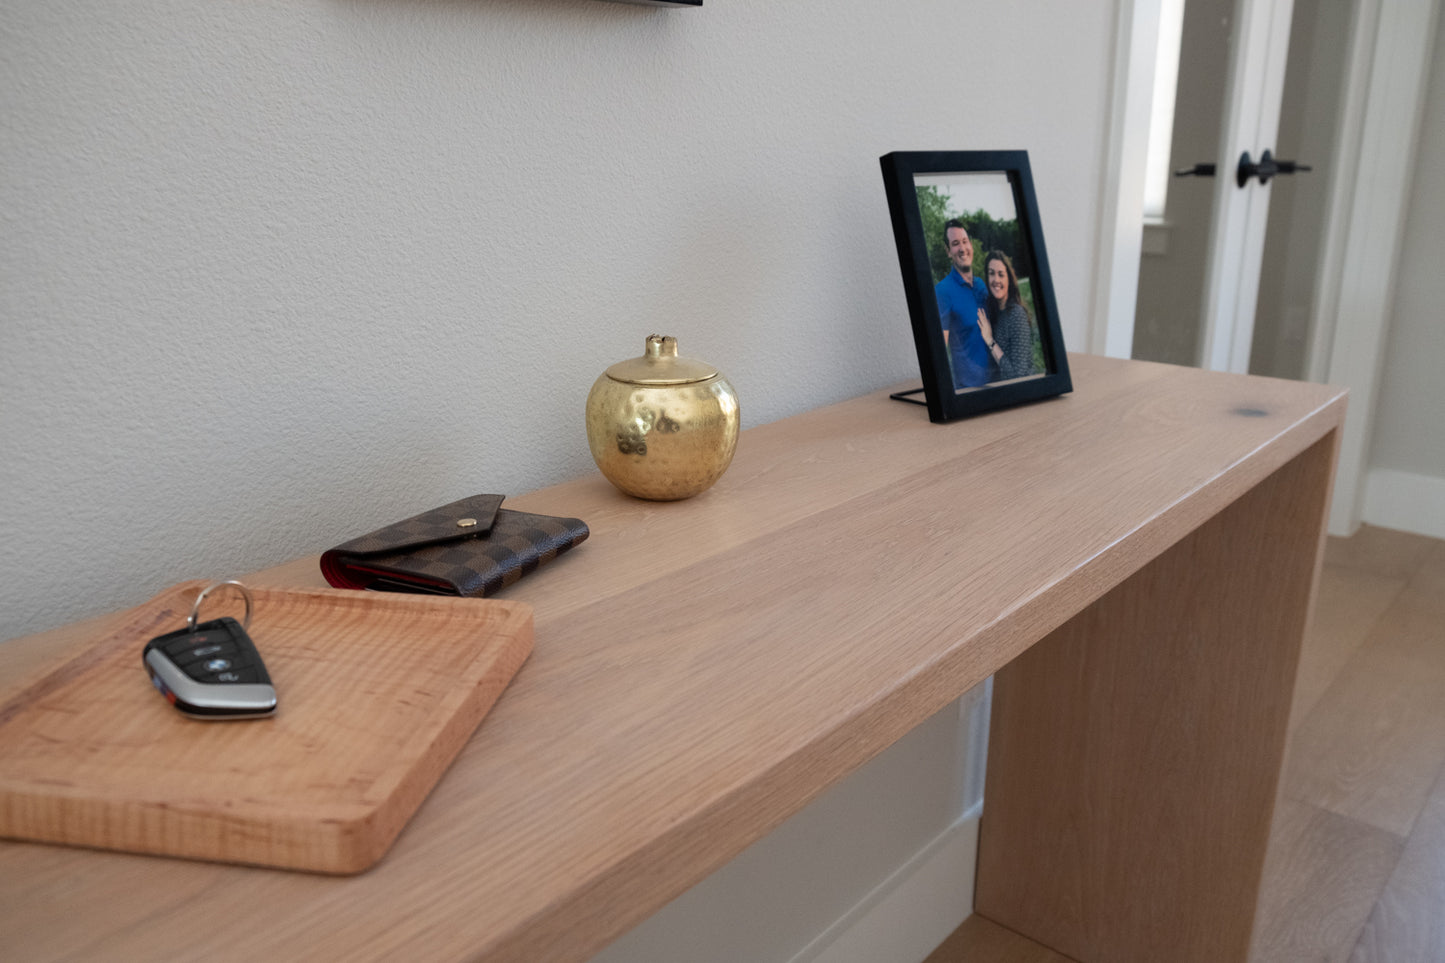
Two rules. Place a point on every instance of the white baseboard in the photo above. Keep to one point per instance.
(911, 912)
(1405, 501)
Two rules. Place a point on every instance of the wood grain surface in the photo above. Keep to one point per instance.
(1135, 753)
(1348, 605)
(1323, 875)
(704, 668)
(376, 693)
(1372, 750)
(1407, 924)
(980, 940)
(1326, 874)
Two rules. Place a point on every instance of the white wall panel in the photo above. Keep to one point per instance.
(274, 273)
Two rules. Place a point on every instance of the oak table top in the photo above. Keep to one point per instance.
(702, 669)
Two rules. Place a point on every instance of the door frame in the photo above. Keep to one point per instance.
(1392, 45)
(1387, 73)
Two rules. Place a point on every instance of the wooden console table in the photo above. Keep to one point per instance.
(1135, 561)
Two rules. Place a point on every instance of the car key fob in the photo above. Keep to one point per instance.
(211, 670)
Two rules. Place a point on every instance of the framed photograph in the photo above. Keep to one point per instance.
(977, 280)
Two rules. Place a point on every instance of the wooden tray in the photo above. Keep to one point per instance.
(376, 695)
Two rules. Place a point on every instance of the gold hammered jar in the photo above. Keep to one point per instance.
(662, 427)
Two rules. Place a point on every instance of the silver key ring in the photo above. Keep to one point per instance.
(196, 609)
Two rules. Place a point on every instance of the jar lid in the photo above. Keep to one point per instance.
(660, 365)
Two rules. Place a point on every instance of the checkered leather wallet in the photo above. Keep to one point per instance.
(472, 547)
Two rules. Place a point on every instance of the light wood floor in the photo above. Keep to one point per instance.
(1356, 866)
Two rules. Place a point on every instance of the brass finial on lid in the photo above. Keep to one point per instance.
(660, 345)
(660, 365)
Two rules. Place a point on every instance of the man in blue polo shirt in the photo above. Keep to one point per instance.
(961, 298)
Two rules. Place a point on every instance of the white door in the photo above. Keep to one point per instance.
(1199, 275)
(1241, 202)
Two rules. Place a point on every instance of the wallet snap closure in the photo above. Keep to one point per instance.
(467, 519)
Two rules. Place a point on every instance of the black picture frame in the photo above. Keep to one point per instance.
(944, 182)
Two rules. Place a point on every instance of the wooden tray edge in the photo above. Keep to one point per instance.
(345, 845)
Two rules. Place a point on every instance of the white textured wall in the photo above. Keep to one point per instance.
(1409, 434)
(274, 272)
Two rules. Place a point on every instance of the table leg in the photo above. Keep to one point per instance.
(1135, 752)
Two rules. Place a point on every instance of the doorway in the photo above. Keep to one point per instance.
(1365, 176)
(1289, 322)
(1174, 268)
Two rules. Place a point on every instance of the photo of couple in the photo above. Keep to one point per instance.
(976, 276)
(990, 326)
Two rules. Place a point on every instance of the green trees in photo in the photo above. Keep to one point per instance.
(987, 235)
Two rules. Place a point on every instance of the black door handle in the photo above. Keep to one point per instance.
(1267, 167)
(1198, 170)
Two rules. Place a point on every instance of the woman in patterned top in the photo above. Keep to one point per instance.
(1008, 335)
